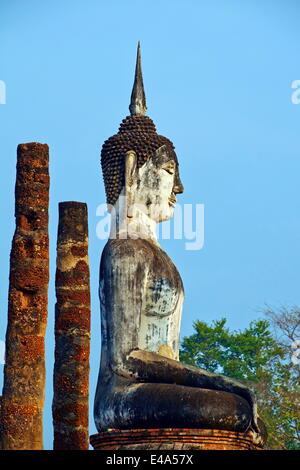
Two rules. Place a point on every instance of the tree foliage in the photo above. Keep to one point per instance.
(261, 356)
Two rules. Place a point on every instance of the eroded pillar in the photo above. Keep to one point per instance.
(24, 371)
(72, 329)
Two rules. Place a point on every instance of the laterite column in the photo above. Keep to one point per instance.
(72, 329)
(24, 371)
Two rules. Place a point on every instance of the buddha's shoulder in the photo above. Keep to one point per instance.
(139, 252)
(129, 248)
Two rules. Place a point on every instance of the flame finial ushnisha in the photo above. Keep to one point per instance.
(137, 105)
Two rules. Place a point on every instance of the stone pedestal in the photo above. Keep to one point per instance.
(174, 439)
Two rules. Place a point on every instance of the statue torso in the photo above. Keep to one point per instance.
(154, 296)
(161, 307)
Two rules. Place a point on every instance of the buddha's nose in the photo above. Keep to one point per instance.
(178, 186)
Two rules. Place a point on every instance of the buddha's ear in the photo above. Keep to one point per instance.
(130, 168)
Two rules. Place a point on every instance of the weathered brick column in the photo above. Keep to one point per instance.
(24, 371)
(0, 422)
(72, 329)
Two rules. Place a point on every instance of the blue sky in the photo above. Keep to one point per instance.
(218, 81)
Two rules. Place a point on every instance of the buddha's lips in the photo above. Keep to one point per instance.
(172, 200)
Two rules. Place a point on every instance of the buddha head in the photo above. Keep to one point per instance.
(138, 163)
(153, 187)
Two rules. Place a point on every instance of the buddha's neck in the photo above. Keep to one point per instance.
(135, 227)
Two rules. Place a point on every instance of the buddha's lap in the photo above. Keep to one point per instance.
(172, 405)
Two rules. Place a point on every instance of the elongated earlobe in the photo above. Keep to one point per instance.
(130, 175)
(130, 168)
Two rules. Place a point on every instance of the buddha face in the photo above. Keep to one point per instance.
(156, 185)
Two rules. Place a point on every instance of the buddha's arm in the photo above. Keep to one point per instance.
(123, 277)
(151, 367)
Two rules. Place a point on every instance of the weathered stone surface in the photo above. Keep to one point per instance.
(24, 371)
(72, 329)
(174, 439)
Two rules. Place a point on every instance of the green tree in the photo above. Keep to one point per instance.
(259, 356)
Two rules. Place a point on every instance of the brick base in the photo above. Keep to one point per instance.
(174, 439)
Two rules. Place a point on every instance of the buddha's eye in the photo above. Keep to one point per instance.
(169, 167)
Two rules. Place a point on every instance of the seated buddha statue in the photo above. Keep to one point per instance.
(141, 382)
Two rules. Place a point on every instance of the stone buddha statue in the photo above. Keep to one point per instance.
(141, 382)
